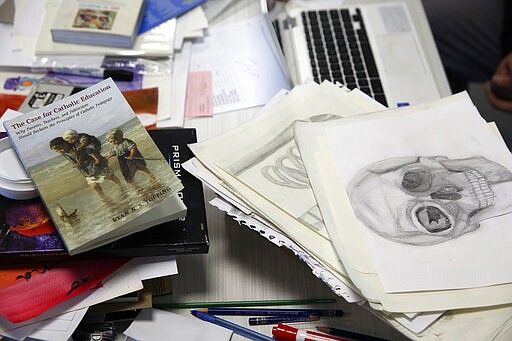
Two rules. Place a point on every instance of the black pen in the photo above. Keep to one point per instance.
(103, 73)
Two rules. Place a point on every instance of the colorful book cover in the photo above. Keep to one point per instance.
(27, 233)
(93, 22)
(97, 170)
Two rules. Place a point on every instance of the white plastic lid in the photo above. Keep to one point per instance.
(15, 183)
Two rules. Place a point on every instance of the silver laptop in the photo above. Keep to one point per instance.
(384, 48)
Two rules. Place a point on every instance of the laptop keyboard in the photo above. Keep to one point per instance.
(340, 51)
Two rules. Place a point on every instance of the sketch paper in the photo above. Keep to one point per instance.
(351, 245)
(493, 323)
(452, 262)
(261, 142)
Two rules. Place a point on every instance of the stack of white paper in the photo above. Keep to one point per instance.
(412, 214)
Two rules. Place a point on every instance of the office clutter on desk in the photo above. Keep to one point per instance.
(390, 207)
(42, 282)
(29, 236)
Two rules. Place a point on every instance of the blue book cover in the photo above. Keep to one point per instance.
(159, 11)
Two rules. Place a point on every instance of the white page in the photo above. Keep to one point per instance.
(59, 328)
(451, 264)
(20, 333)
(28, 11)
(176, 115)
(154, 324)
(213, 8)
(19, 39)
(158, 266)
(245, 72)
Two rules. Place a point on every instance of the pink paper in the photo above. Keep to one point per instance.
(199, 100)
(27, 291)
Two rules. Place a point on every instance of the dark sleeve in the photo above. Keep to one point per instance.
(507, 28)
(93, 140)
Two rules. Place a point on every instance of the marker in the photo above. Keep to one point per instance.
(346, 333)
(255, 321)
(246, 332)
(283, 332)
(271, 312)
(115, 74)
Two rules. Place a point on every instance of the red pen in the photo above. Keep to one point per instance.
(282, 332)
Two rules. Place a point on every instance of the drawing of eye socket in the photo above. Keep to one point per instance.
(432, 218)
(417, 180)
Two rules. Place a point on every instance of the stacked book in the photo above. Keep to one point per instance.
(403, 210)
(104, 23)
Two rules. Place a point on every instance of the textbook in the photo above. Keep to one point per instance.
(27, 233)
(97, 170)
(105, 23)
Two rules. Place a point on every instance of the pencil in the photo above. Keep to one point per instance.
(255, 321)
(346, 333)
(261, 303)
(271, 311)
(246, 332)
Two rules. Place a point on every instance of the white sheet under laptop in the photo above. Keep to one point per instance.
(409, 71)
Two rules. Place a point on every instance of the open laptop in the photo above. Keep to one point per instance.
(377, 46)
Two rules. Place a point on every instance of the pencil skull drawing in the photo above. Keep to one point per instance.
(429, 200)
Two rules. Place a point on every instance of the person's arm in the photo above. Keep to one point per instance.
(133, 151)
(499, 88)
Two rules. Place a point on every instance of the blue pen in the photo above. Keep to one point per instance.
(255, 321)
(246, 332)
(271, 312)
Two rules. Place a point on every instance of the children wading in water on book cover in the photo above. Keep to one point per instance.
(83, 152)
(129, 157)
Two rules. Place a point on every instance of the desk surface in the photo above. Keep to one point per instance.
(242, 265)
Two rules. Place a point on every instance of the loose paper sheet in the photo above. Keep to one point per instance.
(245, 72)
(151, 324)
(345, 233)
(452, 263)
